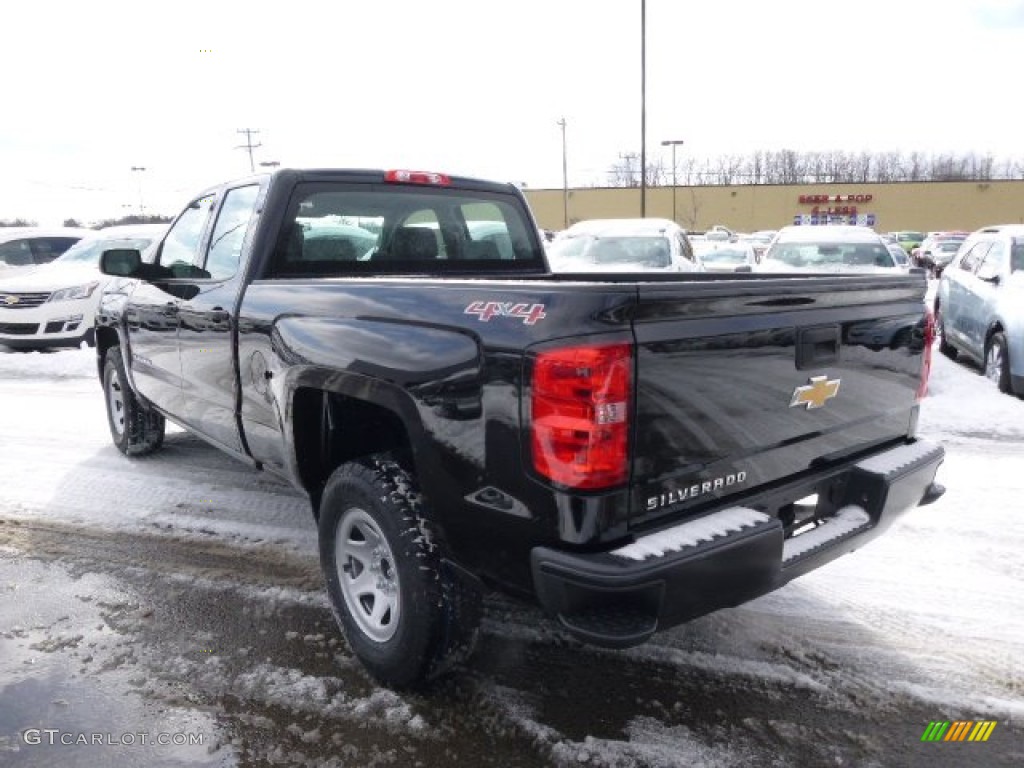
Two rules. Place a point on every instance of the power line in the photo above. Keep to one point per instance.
(249, 145)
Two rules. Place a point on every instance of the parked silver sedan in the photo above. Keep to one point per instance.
(979, 306)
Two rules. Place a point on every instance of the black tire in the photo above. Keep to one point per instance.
(940, 328)
(417, 618)
(134, 430)
(997, 362)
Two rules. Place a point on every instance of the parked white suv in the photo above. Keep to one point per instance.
(55, 304)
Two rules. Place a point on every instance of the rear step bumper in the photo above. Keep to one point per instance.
(619, 598)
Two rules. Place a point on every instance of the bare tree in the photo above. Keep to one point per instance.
(626, 172)
(690, 213)
(788, 166)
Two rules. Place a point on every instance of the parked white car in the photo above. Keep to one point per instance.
(833, 248)
(622, 245)
(54, 305)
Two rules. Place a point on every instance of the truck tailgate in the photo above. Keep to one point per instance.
(741, 383)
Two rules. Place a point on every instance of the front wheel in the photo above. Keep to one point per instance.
(997, 362)
(134, 430)
(407, 617)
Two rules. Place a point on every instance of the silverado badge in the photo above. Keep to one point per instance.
(814, 394)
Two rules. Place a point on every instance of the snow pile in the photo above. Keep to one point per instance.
(961, 403)
(59, 364)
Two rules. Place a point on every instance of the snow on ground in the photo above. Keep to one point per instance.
(853, 659)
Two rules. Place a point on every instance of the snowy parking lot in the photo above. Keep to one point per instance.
(170, 611)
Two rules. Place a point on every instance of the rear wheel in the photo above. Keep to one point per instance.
(997, 362)
(134, 430)
(406, 615)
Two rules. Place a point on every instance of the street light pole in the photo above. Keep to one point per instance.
(140, 169)
(643, 109)
(565, 180)
(673, 143)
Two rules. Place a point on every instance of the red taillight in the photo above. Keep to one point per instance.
(579, 405)
(926, 354)
(417, 177)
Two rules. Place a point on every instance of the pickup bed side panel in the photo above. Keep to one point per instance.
(430, 352)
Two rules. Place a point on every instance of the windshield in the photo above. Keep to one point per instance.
(951, 246)
(815, 255)
(89, 251)
(910, 237)
(648, 251)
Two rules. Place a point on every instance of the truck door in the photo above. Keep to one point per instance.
(980, 292)
(956, 317)
(206, 323)
(152, 310)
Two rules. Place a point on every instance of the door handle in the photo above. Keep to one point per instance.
(219, 315)
(170, 309)
(817, 347)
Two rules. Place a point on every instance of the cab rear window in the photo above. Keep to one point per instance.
(335, 229)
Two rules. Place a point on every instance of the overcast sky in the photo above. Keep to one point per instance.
(476, 87)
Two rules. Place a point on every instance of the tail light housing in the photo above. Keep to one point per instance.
(926, 354)
(580, 415)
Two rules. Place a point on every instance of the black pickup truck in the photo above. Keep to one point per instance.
(631, 451)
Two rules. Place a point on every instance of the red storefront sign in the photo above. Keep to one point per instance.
(819, 199)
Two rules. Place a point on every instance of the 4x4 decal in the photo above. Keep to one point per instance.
(485, 310)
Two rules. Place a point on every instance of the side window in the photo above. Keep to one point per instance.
(16, 253)
(994, 262)
(685, 248)
(229, 231)
(1017, 256)
(972, 258)
(180, 249)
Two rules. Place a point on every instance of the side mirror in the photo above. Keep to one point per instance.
(989, 276)
(121, 262)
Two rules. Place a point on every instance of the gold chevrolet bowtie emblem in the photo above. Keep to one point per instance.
(814, 394)
(10, 300)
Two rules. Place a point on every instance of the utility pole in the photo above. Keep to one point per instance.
(673, 143)
(643, 109)
(249, 145)
(565, 180)
(140, 169)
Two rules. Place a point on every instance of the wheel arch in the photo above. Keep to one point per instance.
(331, 425)
(994, 327)
(106, 338)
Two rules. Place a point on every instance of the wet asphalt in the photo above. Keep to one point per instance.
(232, 658)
